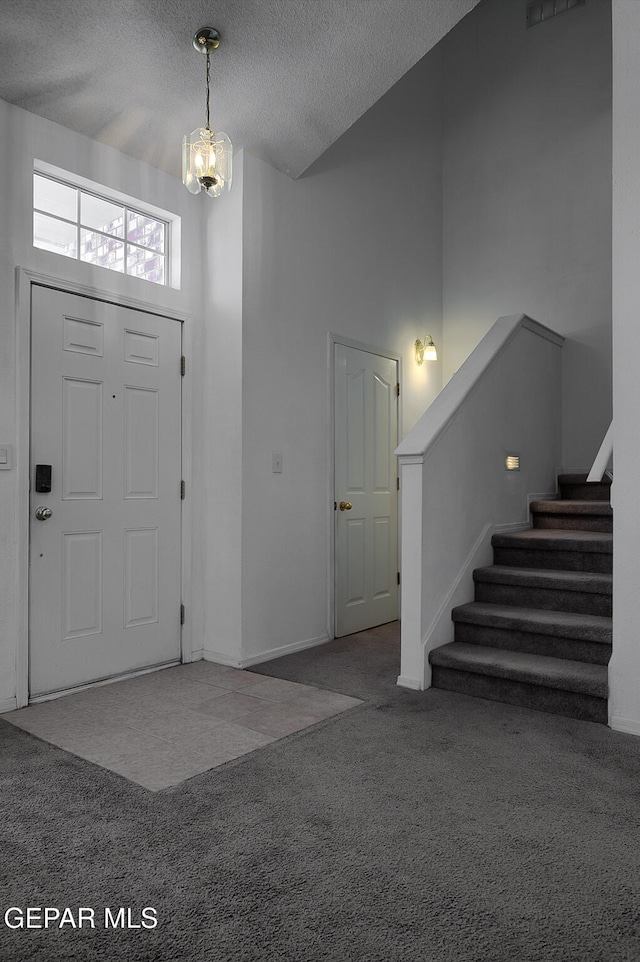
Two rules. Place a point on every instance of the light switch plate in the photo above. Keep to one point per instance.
(276, 462)
(5, 457)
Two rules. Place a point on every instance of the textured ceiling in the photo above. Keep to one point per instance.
(289, 77)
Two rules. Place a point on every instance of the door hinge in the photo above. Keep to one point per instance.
(335, 505)
(398, 389)
(398, 577)
(183, 365)
(181, 614)
(397, 484)
(183, 490)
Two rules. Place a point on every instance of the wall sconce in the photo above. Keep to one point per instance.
(512, 462)
(206, 156)
(425, 350)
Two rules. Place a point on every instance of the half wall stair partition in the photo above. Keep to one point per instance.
(503, 402)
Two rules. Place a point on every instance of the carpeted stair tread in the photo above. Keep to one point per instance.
(555, 539)
(565, 548)
(572, 513)
(584, 581)
(567, 506)
(566, 624)
(541, 670)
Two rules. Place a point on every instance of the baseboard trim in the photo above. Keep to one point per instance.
(8, 704)
(510, 526)
(285, 650)
(222, 659)
(630, 726)
(541, 496)
(413, 683)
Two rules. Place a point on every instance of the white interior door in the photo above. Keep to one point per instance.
(366, 496)
(106, 417)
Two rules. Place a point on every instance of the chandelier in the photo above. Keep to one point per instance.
(206, 156)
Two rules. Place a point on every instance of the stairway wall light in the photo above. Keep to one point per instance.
(425, 350)
(206, 156)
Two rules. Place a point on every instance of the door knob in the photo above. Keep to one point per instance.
(43, 513)
(345, 506)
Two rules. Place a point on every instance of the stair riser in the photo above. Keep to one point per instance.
(588, 603)
(573, 522)
(594, 561)
(572, 704)
(574, 649)
(585, 492)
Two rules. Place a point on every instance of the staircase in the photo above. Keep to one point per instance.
(538, 634)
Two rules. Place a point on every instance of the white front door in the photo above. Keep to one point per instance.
(106, 432)
(366, 525)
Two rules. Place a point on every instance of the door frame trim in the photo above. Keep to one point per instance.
(332, 340)
(25, 280)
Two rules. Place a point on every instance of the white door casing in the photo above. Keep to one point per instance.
(366, 534)
(104, 590)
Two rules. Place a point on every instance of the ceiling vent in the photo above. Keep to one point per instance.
(547, 9)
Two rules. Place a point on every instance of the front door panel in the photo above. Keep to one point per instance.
(105, 565)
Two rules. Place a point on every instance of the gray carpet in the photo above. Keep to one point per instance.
(417, 827)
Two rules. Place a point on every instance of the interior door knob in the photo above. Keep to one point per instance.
(345, 506)
(43, 513)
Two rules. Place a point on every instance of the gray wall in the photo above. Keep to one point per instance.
(352, 248)
(527, 194)
(624, 669)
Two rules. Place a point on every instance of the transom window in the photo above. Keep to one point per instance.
(77, 223)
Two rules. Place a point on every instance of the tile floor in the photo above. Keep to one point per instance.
(161, 728)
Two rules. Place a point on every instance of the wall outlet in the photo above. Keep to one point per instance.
(276, 462)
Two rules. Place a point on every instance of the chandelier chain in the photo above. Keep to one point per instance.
(208, 82)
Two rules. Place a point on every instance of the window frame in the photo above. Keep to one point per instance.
(82, 186)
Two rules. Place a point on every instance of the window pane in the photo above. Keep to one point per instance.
(55, 235)
(104, 251)
(146, 264)
(55, 198)
(101, 215)
(77, 223)
(145, 230)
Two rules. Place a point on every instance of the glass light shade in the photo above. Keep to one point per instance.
(425, 351)
(430, 353)
(206, 162)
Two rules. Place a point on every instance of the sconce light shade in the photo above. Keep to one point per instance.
(425, 350)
